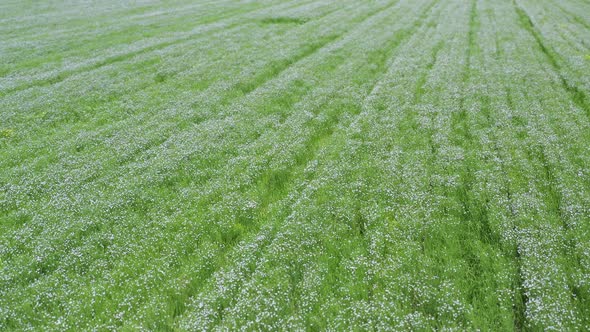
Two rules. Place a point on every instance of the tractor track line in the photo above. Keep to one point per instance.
(577, 96)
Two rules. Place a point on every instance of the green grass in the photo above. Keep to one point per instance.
(294, 165)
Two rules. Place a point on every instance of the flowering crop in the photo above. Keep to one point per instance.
(295, 165)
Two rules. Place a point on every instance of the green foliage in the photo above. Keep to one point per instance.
(350, 165)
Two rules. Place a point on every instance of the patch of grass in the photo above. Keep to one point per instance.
(284, 20)
(7, 133)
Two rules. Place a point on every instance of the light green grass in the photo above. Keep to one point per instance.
(294, 165)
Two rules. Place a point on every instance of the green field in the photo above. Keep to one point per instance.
(294, 165)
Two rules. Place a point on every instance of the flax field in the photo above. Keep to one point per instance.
(309, 165)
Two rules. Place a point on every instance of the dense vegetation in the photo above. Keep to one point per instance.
(276, 164)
